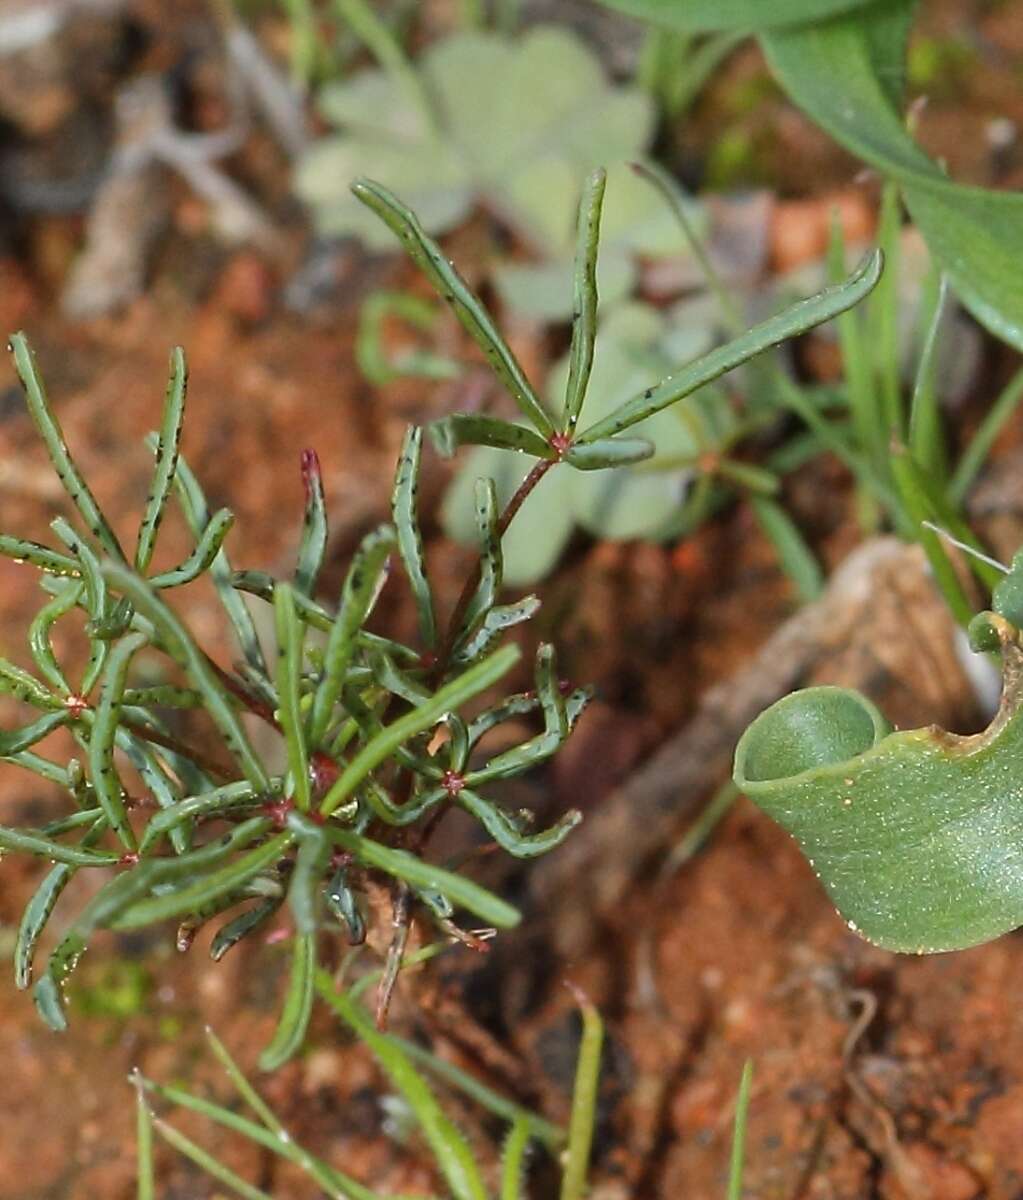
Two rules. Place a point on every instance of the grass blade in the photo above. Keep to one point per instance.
(926, 436)
(739, 1133)
(584, 1104)
(144, 1145)
(976, 453)
(452, 1152)
(513, 1166)
(208, 1163)
(794, 556)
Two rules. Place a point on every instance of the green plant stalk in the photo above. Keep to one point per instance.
(552, 1136)
(920, 510)
(794, 556)
(386, 49)
(454, 1158)
(143, 1144)
(697, 835)
(976, 453)
(513, 1166)
(926, 437)
(584, 1104)
(206, 1162)
(738, 1155)
(864, 406)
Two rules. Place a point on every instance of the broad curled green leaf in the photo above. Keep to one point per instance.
(915, 834)
(839, 71)
(694, 16)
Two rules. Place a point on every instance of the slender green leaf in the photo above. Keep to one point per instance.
(695, 16)
(609, 452)
(289, 677)
(475, 680)
(146, 1189)
(452, 1153)
(166, 460)
(475, 429)
(739, 1133)
(212, 1166)
(584, 321)
(105, 779)
(800, 317)
(504, 830)
(362, 585)
(475, 319)
(197, 515)
(38, 555)
(584, 1105)
(298, 1005)
(405, 514)
(179, 644)
(40, 907)
(313, 544)
(926, 435)
(195, 895)
(232, 932)
(50, 431)
(202, 557)
(794, 556)
(420, 874)
(513, 1166)
(976, 453)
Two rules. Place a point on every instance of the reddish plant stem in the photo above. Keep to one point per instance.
(538, 471)
(417, 838)
(171, 743)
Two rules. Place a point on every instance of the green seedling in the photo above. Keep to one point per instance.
(225, 837)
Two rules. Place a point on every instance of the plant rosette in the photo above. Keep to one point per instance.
(509, 123)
